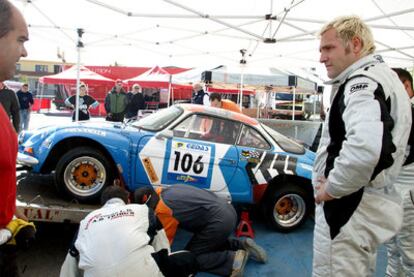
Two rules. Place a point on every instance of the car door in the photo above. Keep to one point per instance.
(202, 153)
(253, 150)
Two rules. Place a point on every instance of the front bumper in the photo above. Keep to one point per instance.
(26, 160)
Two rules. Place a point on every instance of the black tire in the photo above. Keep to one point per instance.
(83, 173)
(287, 207)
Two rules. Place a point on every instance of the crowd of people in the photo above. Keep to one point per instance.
(363, 177)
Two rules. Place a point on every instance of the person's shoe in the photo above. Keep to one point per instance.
(240, 260)
(256, 252)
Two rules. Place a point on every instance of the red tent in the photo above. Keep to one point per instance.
(155, 77)
(68, 77)
(160, 78)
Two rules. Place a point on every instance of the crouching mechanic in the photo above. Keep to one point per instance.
(401, 247)
(121, 239)
(211, 220)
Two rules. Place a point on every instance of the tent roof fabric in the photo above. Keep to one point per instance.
(155, 77)
(68, 77)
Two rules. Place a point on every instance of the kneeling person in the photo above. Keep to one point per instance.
(211, 220)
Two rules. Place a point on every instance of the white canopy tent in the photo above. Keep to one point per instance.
(278, 33)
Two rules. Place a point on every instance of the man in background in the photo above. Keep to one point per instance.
(136, 102)
(10, 103)
(116, 102)
(25, 101)
(199, 95)
(401, 247)
(217, 102)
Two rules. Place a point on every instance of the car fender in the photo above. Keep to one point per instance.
(116, 144)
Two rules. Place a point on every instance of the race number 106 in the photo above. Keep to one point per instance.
(186, 163)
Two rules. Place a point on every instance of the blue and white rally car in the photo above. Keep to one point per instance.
(228, 153)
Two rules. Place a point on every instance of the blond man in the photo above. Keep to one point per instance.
(361, 152)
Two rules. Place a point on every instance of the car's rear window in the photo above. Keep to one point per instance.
(285, 143)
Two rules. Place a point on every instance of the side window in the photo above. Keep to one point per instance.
(182, 129)
(208, 128)
(249, 137)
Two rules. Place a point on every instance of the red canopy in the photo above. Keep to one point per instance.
(68, 77)
(155, 77)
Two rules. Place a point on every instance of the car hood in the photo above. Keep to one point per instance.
(109, 127)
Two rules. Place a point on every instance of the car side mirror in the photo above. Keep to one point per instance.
(164, 134)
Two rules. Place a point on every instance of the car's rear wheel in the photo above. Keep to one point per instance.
(83, 173)
(286, 207)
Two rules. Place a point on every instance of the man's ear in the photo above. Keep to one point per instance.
(356, 43)
(407, 86)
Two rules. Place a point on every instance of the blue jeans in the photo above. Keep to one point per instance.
(24, 119)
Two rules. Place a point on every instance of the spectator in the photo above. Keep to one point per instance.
(217, 102)
(360, 154)
(211, 220)
(85, 102)
(401, 247)
(136, 101)
(199, 95)
(116, 102)
(133, 234)
(25, 101)
(10, 103)
(13, 35)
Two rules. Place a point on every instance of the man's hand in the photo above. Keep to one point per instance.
(321, 194)
(21, 215)
(5, 235)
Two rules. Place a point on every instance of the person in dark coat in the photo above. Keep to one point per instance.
(136, 102)
(26, 102)
(10, 104)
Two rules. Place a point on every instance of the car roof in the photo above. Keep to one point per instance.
(219, 112)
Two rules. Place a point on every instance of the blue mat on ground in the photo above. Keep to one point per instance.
(289, 254)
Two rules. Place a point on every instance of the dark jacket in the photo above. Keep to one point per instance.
(25, 99)
(10, 104)
(116, 102)
(198, 97)
(136, 102)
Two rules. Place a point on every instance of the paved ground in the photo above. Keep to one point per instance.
(289, 254)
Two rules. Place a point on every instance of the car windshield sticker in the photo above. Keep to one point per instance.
(189, 162)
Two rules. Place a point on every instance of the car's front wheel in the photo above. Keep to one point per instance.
(287, 206)
(83, 173)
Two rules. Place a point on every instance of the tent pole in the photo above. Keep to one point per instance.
(169, 90)
(78, 48)
(294, 103)
(77, 86)
(241, 86)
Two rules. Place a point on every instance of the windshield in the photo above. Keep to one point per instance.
(159, 120)
(285, 143)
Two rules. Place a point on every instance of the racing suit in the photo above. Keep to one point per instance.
(360, 154)
(401, 247)
(114, 241)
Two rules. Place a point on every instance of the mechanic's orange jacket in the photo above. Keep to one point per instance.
(230, 105)
(165, 215)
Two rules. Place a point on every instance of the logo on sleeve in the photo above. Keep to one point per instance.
(358, 86)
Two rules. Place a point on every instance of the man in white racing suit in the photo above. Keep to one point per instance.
(401, 247)
(121, 239)
(360, 154)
